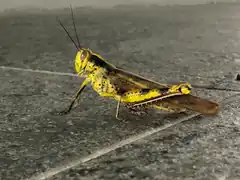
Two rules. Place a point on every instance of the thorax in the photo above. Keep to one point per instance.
(101, 83)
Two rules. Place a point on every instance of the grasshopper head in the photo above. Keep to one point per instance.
(83, 54)
(82, 58)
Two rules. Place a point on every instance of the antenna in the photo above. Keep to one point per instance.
(75, 29)
(67, 33)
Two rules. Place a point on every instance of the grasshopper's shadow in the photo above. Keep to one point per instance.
(152, 119)
(127, 120)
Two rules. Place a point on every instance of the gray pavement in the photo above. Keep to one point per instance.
(199, 44)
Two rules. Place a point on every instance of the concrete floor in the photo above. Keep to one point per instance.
(199, 44)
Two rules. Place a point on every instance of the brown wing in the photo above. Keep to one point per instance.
(193, 103)
(139, 80)
(126, 81)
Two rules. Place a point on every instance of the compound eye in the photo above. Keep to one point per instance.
(83, 55)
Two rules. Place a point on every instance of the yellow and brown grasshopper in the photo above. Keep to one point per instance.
(131, 90)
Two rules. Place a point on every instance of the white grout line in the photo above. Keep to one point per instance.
(106, 150)
(37, 71)
(75, 75)
(131, 139)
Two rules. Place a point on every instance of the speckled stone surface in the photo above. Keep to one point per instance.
(199, 44)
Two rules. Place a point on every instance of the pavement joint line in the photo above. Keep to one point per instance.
(37, 71)
(75, 75)
(54, 171)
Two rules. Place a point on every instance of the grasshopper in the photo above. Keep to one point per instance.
(133, 91)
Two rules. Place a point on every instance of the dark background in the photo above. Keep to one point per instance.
(198, 43)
